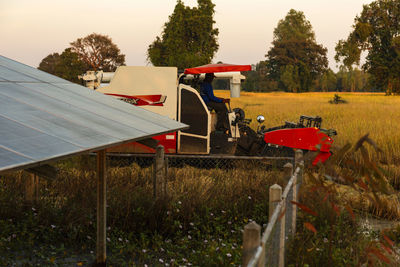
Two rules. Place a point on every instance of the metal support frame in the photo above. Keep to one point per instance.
(101, 208)
(160, 174)
(32, 189)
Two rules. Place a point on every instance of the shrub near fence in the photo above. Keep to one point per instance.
(269, 249)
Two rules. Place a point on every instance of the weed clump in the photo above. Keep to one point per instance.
(338, 195)
(337, 100)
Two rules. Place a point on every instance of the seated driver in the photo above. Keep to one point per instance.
(213, 102)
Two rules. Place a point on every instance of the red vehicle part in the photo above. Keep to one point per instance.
(143, 100)
(168, 141)
(312, 139)
(211, 68)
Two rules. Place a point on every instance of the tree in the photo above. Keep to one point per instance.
(290, 77)
(49, 63)
(375, 31)
(257, 79)
(295, 52)
(188, 38)
(98, 52)
(353, 80)
(327, 82)
(67, 65)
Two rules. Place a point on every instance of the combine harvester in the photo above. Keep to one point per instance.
(161, 90)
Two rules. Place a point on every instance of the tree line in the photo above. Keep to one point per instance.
(344, 80)
(294, 63)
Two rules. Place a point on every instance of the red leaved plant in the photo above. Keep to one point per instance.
(357, 169)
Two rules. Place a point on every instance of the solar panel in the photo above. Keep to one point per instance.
(28, 71)
(10, 75)
(43, 117)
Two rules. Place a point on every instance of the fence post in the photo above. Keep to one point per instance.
(166, 168)
(275, 196)
(37, 188)
(287, 171)
(101, 244)
(159, 181)
(288, 217)
(299, 161)
(251, 241)
(32, 188)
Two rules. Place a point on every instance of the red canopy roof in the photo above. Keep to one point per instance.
(210, 68)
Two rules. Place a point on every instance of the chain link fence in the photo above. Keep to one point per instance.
(201, 161)
(269, 250)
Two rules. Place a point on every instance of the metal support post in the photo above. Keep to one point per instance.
(159, 181)
(101, 207)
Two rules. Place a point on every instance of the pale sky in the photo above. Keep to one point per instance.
(32, 29)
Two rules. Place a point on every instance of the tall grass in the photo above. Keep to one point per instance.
(334, 195)
(204, 212)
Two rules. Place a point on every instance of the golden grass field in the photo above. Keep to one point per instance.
(372, 113)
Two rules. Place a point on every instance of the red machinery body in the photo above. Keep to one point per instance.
(312, 139)
(142, 100)
(158, 90)
(168, 141)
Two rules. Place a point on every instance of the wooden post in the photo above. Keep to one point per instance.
(251, 241)
(37, 188)
(298, 158)
(275, 195)
(166, 166)
(32, 189)
(273, 253)
(288, 171)
(290, 212)
(101, 207)
(159, 181)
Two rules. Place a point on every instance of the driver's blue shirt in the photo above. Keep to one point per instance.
(207, 93)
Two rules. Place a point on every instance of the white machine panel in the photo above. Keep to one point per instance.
(135, 80)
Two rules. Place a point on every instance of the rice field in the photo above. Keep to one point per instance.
(372, 113)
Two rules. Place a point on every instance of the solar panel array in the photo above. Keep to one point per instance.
(43, 117)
